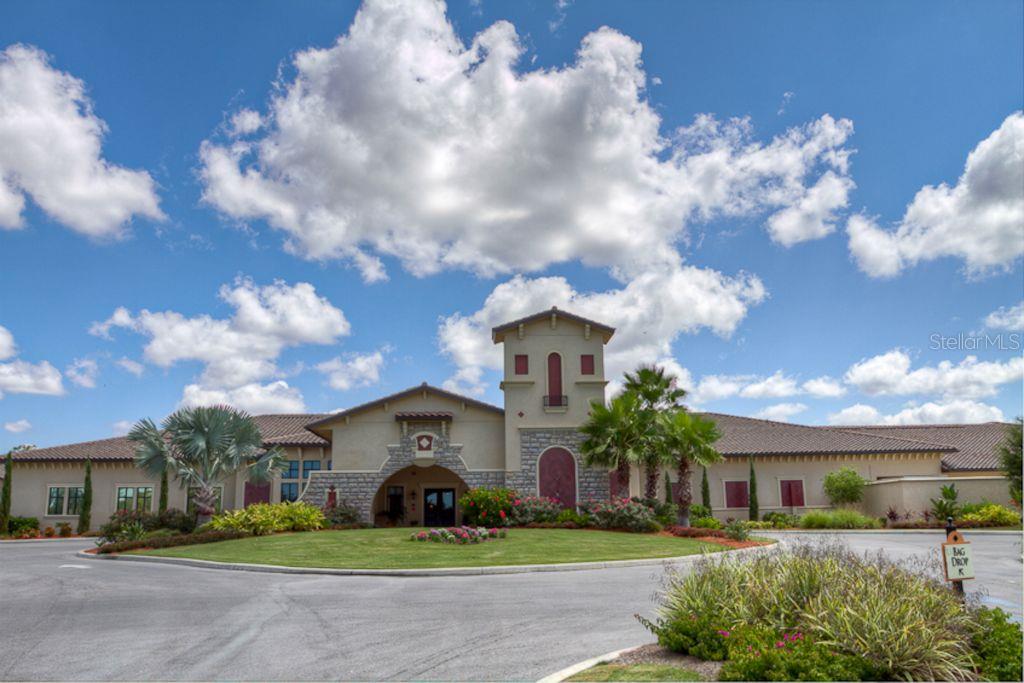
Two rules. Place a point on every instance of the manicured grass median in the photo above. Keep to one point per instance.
(392, 549)
(636, 672)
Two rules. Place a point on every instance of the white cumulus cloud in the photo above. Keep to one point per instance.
(890, 374)
(824, 387)
(1006, 318)
(400, 140)
(939, 412)
(50, 150)
(18, 376)
(353, 370)
(780, 412)
(978, 220)
(83, 372)
(18, 426)
(777, 385)
(131, 366)
(240, 351)
(122, 427)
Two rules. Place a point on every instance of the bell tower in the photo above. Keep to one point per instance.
(553, 370)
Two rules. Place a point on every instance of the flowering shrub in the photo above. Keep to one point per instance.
(341, 515)
(990, 515)
(534, 510)
(762, 654)
(461, 535)
(706, 523)
(488, 506)
(694, 532)
(622, 513)
(264, 518)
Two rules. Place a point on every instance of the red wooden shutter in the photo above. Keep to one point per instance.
(587, 364)
(555, 377)
(736, 494)
(792, 493)
(522, 364)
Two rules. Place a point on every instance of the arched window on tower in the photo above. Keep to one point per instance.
(554, 396)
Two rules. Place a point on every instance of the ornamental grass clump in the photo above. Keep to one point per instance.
(903, 625)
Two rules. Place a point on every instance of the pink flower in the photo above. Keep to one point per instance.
(724, 634)
(780, 644)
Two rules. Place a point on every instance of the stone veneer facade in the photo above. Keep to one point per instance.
(359, 489)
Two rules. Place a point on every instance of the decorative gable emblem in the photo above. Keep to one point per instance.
(425, 442)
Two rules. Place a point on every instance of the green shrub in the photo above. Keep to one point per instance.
(904, 625)
(838, 519)
(764, 654)
(691, 634)
(706, 523)
(737, 530)
(265, 518)
(692, 532)
(488, 506)
(171, 541)
(759, 525)
(624, 514)
(781, 520)
(159, 533)
(665, 513)
(176, 520)
(698, 510)
(567, 517)
(64, 530)
(341, 515)
(534, 510)
(844, 486)
(946, 504)
(988, 514)
(19, 525)
(997, 645)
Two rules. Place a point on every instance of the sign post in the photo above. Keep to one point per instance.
(956, 556)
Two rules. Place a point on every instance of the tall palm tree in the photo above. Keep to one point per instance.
(201, 447)
(657, 392)
(613, 435)
(690, 440)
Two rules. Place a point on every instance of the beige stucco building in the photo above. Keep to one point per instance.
(406, 458)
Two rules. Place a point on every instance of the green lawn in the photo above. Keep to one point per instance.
(636, 672)
(392, 549)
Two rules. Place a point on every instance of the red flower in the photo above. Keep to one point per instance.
(502, 513)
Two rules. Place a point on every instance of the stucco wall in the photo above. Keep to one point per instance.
(359, 442)
(811, 469)
(914, 494)
(524, 394)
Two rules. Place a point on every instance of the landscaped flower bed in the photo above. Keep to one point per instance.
(461, 535)
(822, 612)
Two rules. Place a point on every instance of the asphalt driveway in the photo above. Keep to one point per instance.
(64, 617)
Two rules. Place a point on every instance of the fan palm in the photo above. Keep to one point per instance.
(689, 439)
(201, 447)
(657, 392)
(613, 436)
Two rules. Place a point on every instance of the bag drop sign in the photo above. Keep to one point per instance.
(958, 561)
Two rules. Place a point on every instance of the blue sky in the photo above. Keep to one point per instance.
(772, 194)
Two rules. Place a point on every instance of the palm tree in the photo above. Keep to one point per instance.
(690, 439)
(201, 447)
(613, 435)
(657, 393)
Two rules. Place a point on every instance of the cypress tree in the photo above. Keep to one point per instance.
(5, 494)
(162, 505)
(85, 514)
(705, 490)
(753, 493)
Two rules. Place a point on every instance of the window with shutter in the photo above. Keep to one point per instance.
(587, 364)
(522, 364)
(737, 494)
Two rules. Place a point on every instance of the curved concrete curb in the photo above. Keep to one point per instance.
(13, 541)
(568, 671)
(973, 532)
(449, 571)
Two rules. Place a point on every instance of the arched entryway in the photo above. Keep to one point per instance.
(556, 476)
(414, 495)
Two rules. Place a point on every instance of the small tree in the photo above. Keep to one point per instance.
(1010, 458)
(754, 512)
(5, 494)
(705, 489)
(85, 514)
(162, 505)
(844, 486)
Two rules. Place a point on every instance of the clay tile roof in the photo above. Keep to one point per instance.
(744, 436)
(976, 444)
(545, 315)
(411, 391)
(278, 430)
(429, 415)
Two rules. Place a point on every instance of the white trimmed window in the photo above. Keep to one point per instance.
(63, 500)
(137, 497)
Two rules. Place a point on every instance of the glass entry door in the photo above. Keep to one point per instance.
(439, 507)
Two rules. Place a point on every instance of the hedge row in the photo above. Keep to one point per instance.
(171, 541)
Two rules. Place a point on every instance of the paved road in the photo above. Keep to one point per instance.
(62, 617)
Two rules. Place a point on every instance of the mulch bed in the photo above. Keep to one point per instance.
(656, 654)
(729, 543)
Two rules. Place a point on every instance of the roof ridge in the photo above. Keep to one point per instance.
(401, 394)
